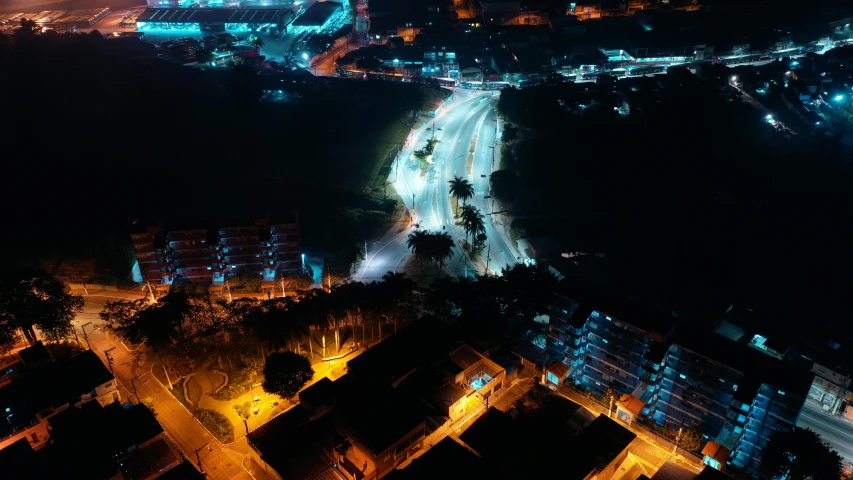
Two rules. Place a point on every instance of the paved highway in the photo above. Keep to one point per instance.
(833, 429)
(221, 462)
(468, 117)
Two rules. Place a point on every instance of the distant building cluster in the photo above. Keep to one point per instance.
(170, 252)
(734, 384)
(493, 41)
(63, 419)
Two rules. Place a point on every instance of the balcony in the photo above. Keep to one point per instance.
(187, 235)
(240, 241)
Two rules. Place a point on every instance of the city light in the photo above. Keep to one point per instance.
(839, 98)
(734, 78)
(305, 56)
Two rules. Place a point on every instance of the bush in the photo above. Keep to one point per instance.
(216, 423)
(178, 392)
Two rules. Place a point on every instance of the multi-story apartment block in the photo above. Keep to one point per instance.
(151, 254)
(696, 390)
(193, 255)
(609, 343)
(737, 395)
(204, 255)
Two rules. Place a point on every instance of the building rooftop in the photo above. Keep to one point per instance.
(558, 368)
(292, 443)
(35, 355)
(465, 356)
(626, 310)
(756, 366)
(148, 461)
(672, 471)
(210, 15)
(599, 443)
(317, 14)
(318, 393)
(380, 416)
(448, 458)
(421, 343)
(183, 471)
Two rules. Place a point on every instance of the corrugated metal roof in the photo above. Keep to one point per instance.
(209, 15)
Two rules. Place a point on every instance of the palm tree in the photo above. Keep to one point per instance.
(257, 42)
(473, 221)
(417, 244)
(461, 189)
(439, 247)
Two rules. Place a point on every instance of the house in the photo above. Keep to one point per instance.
(435, 462)
(596, 449)
(294, 445)
(35, 395)
(556, 373)
(715, 455)
(629, 408)
(94, 442)
(381, 427)
(424, 342)
(319, 398)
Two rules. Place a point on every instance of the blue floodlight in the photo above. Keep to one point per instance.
(305, 56)
(839, 98)
(769, 117)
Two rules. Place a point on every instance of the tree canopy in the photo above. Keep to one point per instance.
(800, 454)
(286, 373)
(32, 298)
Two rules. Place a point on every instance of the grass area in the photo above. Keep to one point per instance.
(386, 150)
(217, 424)
(178, 392)
(238, 383)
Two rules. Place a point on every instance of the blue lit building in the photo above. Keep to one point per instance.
(210, 19)
(696, 390)
(609, 343)
(736, 394)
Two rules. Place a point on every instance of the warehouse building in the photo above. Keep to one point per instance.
(210, 20)
(319, 17)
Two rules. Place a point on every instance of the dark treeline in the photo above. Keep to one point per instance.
(100, 132)
(696, 200)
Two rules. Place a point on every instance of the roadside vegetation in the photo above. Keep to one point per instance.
(326, 156)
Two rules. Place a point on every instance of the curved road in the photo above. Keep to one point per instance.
(468, 117)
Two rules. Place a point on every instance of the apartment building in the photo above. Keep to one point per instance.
(736, 394)
(609, 343)
(171, 252)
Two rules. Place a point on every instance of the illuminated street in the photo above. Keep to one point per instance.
(470, 113)
(836, 430)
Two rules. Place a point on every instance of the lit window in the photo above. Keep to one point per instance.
(781, 392)
(683, 376)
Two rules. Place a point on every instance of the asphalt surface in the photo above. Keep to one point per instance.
(835, 430)
(467, 117)
(220, 462)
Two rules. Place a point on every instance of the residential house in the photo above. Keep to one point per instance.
(37, 394)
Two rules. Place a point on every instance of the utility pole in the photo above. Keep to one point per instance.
(132, 384)
(110, 358)
(488, 257)
(228, 289)
(83, 327)
(198, 457)
(677, 440)
(150, 291)
(283, 291)
(167, 375)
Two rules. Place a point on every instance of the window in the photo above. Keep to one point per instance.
(611, 357)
